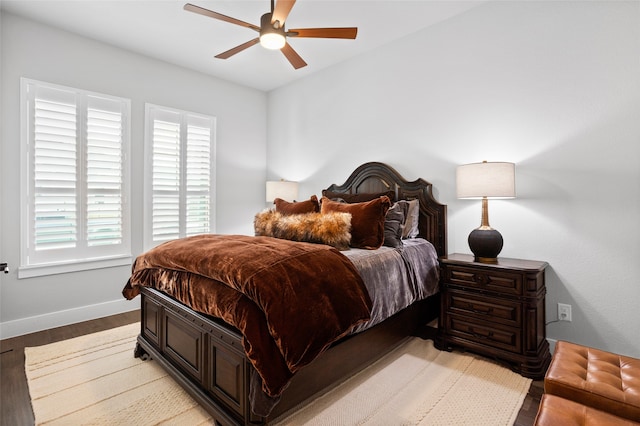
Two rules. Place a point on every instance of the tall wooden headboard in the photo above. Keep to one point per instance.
(377, 177)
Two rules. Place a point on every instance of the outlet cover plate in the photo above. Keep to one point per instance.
(564, 312)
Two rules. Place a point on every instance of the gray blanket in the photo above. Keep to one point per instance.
(413, 270)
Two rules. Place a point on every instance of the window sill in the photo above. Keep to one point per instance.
(63, 268)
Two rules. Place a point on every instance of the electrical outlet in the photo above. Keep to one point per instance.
(564, 312)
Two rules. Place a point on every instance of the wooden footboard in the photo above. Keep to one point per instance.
(206, 357)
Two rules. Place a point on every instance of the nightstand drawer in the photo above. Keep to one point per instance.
(485, 333)
(486, 280)
(484, 307)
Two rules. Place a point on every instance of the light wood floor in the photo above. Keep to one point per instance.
(15, 405)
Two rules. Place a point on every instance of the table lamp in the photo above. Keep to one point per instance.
(485, 180)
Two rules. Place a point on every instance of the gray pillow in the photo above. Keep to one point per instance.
(393, 226)
(411, 222)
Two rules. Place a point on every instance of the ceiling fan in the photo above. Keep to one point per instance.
(272, 32)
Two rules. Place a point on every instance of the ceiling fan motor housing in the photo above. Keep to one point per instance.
(272, 35)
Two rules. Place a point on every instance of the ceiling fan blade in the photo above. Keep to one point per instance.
(293, 56)
(206, 12)
(349, 32)
(281, 11)
(238, 49)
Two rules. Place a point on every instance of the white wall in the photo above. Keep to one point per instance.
(551, 86)
(40, 52)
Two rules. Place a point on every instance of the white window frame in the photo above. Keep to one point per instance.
(84, 255)
(156, 112)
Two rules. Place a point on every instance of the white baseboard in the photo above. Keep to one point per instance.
(552, 345)
(28, 325)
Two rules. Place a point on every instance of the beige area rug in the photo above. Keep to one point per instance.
(95, 380)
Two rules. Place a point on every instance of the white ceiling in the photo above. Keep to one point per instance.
(162, 29)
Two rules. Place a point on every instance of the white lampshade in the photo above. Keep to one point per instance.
(286, 190)
(491, 180)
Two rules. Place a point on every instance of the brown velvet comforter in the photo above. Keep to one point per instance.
(290, 300)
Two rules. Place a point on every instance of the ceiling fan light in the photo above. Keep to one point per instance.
(272, 40)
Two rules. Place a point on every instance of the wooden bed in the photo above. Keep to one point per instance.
(205, 355)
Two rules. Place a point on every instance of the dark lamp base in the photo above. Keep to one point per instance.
(485, 243)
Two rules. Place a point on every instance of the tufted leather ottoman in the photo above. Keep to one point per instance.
(556, 411)
(596, 379)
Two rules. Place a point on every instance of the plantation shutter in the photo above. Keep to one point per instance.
(55, 171)
(75, 189)
(182, 159)
(104, 172)
(166, 178)
(198, 177)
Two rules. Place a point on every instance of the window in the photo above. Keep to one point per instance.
(74, 179)
(180, 160)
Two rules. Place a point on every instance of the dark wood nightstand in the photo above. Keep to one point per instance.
(495, 309)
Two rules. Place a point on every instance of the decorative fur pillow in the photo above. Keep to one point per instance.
(309, 206)
(367, 220)
(333, 229)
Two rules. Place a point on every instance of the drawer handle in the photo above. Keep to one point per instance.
(474, 334)
(472, 308)
(480, 279)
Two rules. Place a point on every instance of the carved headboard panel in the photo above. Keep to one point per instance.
(378, 177)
